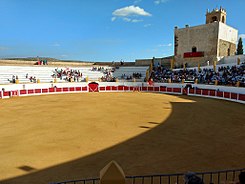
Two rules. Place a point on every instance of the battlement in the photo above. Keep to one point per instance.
(221, 10)
(216, 15)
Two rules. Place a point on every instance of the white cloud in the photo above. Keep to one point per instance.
(55, 45)
(136, 20)
(113, 19)
(165, 45)
(130, 11)
(157, 2)
(147, 25)
(241, 36)
(63, 55)
(126, 19)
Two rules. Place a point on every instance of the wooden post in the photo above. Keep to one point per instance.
(215, 66)
(172, 63)
(238, 61)
(112, 173)
(199, 68)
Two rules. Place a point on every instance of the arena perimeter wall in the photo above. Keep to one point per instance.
(219, 92)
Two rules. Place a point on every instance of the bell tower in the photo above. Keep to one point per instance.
(217, 15)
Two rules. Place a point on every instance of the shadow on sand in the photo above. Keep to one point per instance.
(197, 136)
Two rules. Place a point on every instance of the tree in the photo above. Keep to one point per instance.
(239, 50)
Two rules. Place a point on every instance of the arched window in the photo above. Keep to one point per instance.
(223, 19)
(228, 52)
(194, 49)
(214, 19)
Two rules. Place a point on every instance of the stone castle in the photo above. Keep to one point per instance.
(206, 43)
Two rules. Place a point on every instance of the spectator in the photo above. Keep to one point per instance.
(242, 178)
(192, 178)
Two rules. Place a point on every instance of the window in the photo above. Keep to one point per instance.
(223, 19)
(229, 52)
(194, 49)
(214, 19)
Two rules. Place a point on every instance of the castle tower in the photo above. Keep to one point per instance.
(207, 42)
(217, 15)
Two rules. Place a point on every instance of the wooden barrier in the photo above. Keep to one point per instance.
(212, 93)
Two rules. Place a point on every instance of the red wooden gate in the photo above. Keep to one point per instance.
(93, 87)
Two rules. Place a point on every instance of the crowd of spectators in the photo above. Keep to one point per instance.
(225, 75)
(14, 78)
(130, 77)
(108, 77)
(42, 62)
(97, 68)
(68, 75)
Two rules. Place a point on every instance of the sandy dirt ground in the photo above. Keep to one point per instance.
(52, 138)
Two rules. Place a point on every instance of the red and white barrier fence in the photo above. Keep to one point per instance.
(226, 93)
(211, 93)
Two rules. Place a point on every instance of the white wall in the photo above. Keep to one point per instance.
(227, 33)
(139, 84)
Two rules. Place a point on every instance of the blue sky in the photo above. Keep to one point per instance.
(102, 30)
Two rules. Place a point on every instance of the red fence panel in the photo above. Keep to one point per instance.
(120, 88)
(219, 93)
(114, 88)
(58, 89)
(44, 90)
(131, 88)
(78, 88)
(156, 88)
(241, 97)
(191, 91)
(6, 93)
(72, 89)
(169, 89)
(30, 91)
(150, 88)
(126, 88)
(226, 94)
(163, 89)
(212, 92)
(14, 93)
(84, 88)
(198, 91)
(65, 89)
(37, 90)
(51, 90)
(23, 92)
(205, 92)
(108, 88)
(102, 88)
(177, 90)
(233, 95)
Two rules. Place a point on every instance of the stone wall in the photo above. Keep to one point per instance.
(227, 33)
(166, 61)
(143, 62)
(50, 63)
(203, 37)
(226, 48)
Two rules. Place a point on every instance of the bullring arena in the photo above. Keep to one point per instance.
(54, 132)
